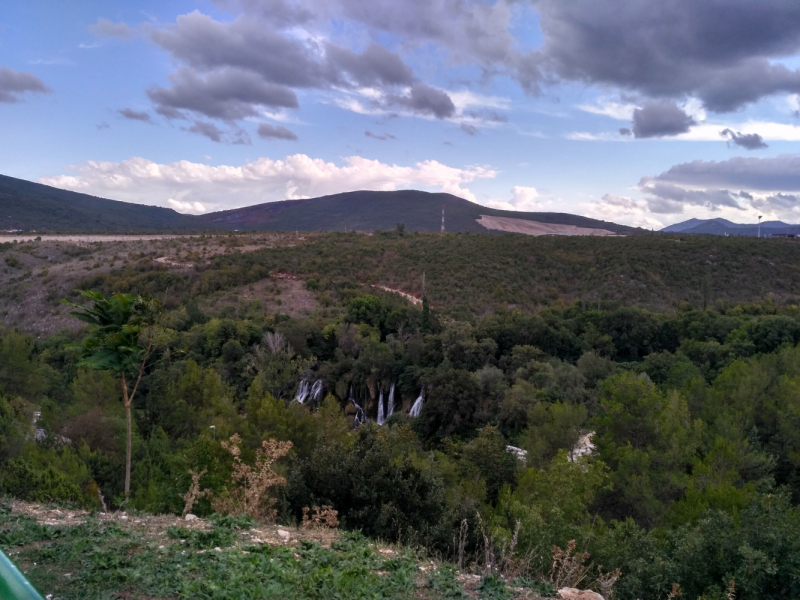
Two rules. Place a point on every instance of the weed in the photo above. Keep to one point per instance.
(494, 588)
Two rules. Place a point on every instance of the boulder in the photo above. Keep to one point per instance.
(190, 517)
(283, 534)
(576, 594)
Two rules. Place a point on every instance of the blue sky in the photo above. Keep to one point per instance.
(592, 108)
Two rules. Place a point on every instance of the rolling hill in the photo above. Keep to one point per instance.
(721, 226)
(368, 211)
(29, 206)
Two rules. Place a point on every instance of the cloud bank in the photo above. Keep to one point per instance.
(264, 180)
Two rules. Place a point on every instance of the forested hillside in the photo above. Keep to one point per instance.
(28, 206)
(650, 384)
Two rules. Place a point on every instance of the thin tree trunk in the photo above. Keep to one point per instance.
(126, 400)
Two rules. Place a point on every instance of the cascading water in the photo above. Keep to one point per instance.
(316, 392)
(417, 406)
(361, 416)
(380, 409)
(390, 406)
(302, 391)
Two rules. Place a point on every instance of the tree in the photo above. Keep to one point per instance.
(123, 331)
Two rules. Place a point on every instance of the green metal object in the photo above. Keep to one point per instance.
(13, 584)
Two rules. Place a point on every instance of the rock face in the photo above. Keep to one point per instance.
(576, 594)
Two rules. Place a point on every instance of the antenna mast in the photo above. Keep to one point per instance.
(442, 218)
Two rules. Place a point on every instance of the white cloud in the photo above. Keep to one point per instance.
(186, 207)
(768, 130)
(264, 180)
(621, 209)
(525, 199)
(466, 99)
(615, 110)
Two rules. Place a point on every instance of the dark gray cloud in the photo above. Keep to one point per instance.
(376, 66)
(425, 100)
(14, 83)
(275, 132)
(135, 115)
(103, 125)
(625, 131)
(667, 196)
(206, 129)
(778, 202)
(231, 70)
(468, 129)
(200, 42)
(105, 28)
(721, 52)
(226, 94)
(660, 118)
(777, 173)
(749, 141)
(384, 137)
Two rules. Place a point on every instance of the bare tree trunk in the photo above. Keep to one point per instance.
(126, 400)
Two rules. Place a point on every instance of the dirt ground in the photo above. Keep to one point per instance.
(36, 274)
(535, 228)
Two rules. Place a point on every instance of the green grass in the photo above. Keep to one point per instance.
(102, 560)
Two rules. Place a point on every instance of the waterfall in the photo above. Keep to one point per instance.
(390, 407)
(361, 416)
(302, 391)
(417, 407)
(316, 392)
(380, 408)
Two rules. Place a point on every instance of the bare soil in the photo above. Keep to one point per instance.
(36, 274)
(535, 228)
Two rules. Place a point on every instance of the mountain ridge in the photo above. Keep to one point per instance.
(720, 226)
(30, 206)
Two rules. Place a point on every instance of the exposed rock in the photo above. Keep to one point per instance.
(576, 594)
(283, 534)
(190, 517)
(584, 447)
(518, 452)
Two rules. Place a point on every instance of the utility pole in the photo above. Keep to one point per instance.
(442, 218)
(759, 225)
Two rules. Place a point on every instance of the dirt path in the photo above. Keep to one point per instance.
(413, 299)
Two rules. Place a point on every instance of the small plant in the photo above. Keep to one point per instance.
(444, 583)
(494, 588)
(321, 517)
(251, 492)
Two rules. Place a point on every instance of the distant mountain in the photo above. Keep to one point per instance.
(29, 206)
(724, 227)
(368, 211)
(32, 206)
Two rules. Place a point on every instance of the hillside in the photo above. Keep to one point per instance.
(721, 226)
(369, 211)
(29, 206)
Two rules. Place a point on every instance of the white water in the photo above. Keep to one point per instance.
(380, 409)
(361, 416)
(390, 407)
(316, 391)
(417, 407)
(302, 391)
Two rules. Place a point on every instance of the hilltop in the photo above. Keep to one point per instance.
(720, 226)
(28, 206)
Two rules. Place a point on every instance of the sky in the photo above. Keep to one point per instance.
(639, 112)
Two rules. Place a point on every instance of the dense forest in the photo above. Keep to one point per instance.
(686, 385)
